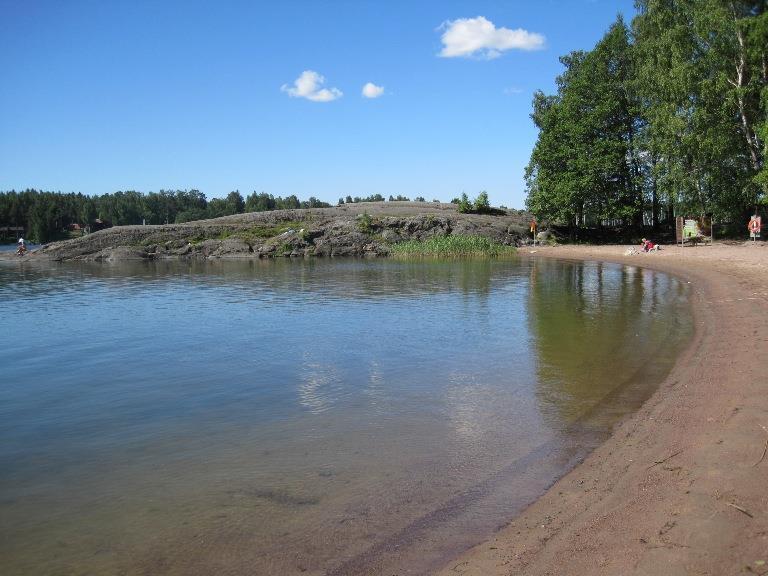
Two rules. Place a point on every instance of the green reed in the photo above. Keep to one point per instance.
(454, 246)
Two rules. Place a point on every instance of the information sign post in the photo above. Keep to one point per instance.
(693, 230)
(679, 230)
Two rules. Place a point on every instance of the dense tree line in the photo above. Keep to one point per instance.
(380, 198)
(46, 215)
(358, 199)
(667, 116)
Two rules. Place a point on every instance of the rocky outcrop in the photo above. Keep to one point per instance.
(368, 229)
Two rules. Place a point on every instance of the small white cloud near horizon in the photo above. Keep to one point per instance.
(309, 86)
(479, 37)
(513, 90)
(370, 90)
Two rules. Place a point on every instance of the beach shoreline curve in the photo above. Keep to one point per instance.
(679, 487)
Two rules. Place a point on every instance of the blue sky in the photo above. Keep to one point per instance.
(131, 95)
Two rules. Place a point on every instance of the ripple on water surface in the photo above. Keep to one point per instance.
(335, 417)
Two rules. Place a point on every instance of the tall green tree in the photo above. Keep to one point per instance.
(701, 76)
(585, 166)
(235, 202)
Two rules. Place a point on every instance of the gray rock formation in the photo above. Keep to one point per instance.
(366, 229)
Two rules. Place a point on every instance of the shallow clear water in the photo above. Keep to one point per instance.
(313, 417)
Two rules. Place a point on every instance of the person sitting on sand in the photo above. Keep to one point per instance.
(649, 246)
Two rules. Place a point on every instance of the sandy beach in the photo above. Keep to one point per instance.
(681, 487)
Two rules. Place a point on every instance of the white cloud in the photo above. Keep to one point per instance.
(370, 90)
(479, 37)
(513, 90)
(308, 86)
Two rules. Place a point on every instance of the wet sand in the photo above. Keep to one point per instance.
(681, 487)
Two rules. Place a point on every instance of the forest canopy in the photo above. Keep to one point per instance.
(667, 116)
(44, 216)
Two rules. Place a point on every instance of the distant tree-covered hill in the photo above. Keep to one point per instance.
(46, 216)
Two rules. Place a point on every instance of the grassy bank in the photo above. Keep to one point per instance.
(455, 246)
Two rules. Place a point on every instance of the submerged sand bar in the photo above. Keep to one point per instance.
(682, 486)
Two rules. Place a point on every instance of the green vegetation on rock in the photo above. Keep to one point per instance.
(365, 223)
(480, 205)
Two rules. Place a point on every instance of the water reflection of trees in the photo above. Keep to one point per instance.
(334, 279)
(598, 328)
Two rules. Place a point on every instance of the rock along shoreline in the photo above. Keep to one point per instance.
(365, 229)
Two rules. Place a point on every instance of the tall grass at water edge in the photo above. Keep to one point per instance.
(454, 246)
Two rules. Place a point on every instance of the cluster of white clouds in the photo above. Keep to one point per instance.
(370, 90)
(309, 85)
(465, 37)
(479, 37)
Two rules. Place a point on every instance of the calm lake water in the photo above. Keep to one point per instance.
(306, 417)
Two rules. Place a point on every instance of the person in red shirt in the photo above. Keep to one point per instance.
(648, 246)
